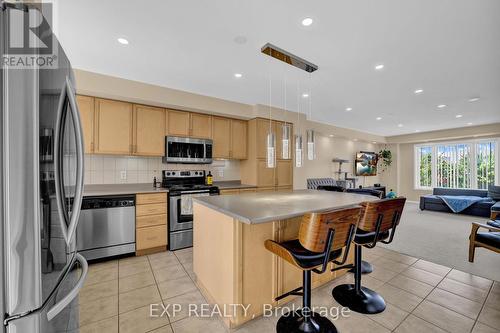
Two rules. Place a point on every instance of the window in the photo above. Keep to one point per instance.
(470, 164)
(485, 164)
(453, 166)
(424, 157)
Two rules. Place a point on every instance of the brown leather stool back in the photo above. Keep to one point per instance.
(314, 229)
(382, 215)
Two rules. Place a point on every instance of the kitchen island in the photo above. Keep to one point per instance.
(231, 264)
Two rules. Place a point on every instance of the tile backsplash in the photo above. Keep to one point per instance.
(109, 169)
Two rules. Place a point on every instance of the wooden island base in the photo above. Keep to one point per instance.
(232, 266)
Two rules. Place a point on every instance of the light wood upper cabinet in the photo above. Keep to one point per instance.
(284, 173)
(239, 138)
(221, 136)
(86, 108)
(201, 125)
(149, 131)
(265, 175)
(113, 127)
(178, 123)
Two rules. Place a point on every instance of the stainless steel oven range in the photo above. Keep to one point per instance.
(183, 186)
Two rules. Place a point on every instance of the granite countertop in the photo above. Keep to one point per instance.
(253, 208)
(232, 184)
(118, 189)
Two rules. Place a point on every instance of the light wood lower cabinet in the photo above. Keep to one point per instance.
(150, 223)
(113, 127)
(265, 175)
(151, 237)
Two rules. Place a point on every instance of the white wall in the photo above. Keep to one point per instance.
(106, 169)
(326, 149)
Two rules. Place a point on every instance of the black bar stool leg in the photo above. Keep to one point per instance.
(305, 320)
(356, 297)
(366, 268)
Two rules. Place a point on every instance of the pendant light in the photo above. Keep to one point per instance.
(286, 130)
(271, 139)
(298, 137)
(311, 144)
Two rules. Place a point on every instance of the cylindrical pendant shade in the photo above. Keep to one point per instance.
(298, 151)
(285, 141)
(271, 150)
(311, 145)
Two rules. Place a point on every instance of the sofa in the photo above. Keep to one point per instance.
(487, 208)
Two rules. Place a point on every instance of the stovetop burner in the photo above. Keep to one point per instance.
(187, 180)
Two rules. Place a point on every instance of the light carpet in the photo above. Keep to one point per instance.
(443, 238)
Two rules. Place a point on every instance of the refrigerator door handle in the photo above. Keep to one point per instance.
(63, 303)
(68, 227)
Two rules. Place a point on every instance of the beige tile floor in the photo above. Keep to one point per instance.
(421, 297)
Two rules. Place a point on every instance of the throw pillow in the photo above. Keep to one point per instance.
(494, 192)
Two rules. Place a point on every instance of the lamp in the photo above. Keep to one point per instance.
(311, 145)
(298, 151)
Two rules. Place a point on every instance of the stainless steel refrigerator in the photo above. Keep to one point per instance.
(41, 162)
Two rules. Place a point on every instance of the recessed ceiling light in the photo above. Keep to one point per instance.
(307, 21)
(458, 116)
(305, 95)
(354, 139)
(348, 109)
(379, 67)
(417, 130)
(469, 124)
(331, 135)
(419, 91)
(122, 41)
(238, 75)
(400, 125)
(474, 99)
(379, 118)
(374, 142)
(442, 106)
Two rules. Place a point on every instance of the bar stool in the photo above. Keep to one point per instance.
(322, 236)
(366, 267)
(378, 222)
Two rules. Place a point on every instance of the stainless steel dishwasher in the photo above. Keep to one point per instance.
(106, 227)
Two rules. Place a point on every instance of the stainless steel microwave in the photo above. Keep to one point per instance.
(187, 150)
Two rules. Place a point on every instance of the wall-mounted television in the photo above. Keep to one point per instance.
(366, 163)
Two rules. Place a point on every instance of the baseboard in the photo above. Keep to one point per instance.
(411, 201)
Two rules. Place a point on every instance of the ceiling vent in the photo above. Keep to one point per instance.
(289, 58)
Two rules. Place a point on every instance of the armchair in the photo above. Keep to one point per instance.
(489, 239)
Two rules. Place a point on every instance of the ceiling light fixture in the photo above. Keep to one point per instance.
(305, 95)
(348, 109)
(331, 135)
(122, 41)
(374, 142)
(417, 130)
(307, 21)
(400, 125)
(440, 106)
(458, 116)
(238, 75)
(354, 139)
(379, 118)
(419, 91)
(473, 99)
(379, 67)
(289, 58)
(468, 124)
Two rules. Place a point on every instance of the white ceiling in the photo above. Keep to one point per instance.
(449, 48)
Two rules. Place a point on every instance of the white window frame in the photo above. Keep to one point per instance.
(434, 145)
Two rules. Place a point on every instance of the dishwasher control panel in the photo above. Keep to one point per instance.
(107, 202)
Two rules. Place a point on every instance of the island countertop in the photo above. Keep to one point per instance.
(260, 207)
